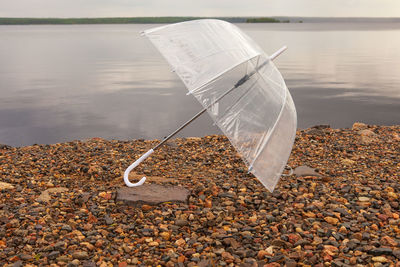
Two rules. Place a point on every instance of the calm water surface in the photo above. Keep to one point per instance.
(67, 82)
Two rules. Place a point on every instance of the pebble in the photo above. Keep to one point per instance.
(305, 171)
(181, 222)
(80, 255)
(381, 251)
(331, 220)
(6, 186)
(108, 219)
(380, 259)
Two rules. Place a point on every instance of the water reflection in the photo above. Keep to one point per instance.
(61, 83)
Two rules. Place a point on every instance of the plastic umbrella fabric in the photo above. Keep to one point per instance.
(240, 88)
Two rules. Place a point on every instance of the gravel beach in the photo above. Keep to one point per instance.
(58, 203)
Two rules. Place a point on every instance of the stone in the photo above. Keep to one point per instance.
(380, 259)
(108, 219)
(227, 256)
(301, 242)
(17, 264)
(380, 251)
(165, 235)
(359, 126)
(305, 171)
(330, 250)
(262, 253)
(396, 253)
(45, 195)
(388, 241)
(367, 136)
(80, 255)
(153, 244)
(6, 186)
(290, 263)
(280, 243)
(152, 194)
(181, 222)
(53, 255)
(331, 220)
(25, 257)
(231, 242)
(63, 258)
(180, 242)
(366, 133)
(392, 195)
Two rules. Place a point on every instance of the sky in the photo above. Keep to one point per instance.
(203, 8)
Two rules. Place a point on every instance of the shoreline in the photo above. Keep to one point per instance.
(347, 214)
(155, 141)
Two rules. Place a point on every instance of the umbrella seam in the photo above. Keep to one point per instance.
(272, 130)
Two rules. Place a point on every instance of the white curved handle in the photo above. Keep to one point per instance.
(134, 165)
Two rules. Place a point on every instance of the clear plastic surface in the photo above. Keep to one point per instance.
(258, 117)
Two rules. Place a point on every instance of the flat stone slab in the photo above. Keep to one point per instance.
(152, 194)
(302, 171)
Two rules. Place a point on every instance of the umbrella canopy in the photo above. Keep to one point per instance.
(258, 116)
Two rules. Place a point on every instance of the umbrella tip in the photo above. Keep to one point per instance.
(277, 53)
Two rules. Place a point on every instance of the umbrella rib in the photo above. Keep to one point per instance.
(237, 101)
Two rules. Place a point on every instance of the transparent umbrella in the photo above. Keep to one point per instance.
(240, 88)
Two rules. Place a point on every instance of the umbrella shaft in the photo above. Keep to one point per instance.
(179, 129)
(198, 114)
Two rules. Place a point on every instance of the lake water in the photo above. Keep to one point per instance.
(65, 82)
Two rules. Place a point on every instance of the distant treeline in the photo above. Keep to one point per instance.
(265, 20)
(138, 20)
